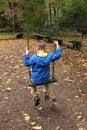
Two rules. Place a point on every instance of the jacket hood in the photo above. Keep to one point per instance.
(43, 54)
(42, 60)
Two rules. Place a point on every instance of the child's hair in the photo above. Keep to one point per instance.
(40, 45)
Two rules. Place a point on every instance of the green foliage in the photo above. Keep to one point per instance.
(74, 14)
(36, 14)
(43, 14)
(14, 13)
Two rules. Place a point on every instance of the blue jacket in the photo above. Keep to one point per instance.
(41, 65)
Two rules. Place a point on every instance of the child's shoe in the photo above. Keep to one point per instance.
(36, 100)
(46, 97)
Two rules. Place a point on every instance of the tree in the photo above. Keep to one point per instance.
(11, 13)
(73, 14)
(36, 14)
(51, 14)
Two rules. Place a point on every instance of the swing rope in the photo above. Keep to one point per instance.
(53, 67)
(27, 35)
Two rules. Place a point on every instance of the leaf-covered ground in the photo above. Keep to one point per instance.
(17, 110)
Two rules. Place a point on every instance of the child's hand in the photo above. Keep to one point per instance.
(56, 43)
(27, 51)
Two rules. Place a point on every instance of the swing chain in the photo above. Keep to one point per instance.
(27, 31)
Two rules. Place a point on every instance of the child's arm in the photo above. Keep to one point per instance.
(56, 43)
(57, 53)
(27, 60)
(27, 51)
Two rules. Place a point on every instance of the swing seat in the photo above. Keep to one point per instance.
(52, 80)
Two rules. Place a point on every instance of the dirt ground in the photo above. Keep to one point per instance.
(17, 110)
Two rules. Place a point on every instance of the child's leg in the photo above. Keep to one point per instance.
(46, 91)
(34, 91)
(35, 95)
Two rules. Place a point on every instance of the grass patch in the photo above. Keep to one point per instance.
(7, 36)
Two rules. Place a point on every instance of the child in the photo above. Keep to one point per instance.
(40, 63)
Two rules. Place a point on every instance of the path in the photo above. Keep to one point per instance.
(17, 111)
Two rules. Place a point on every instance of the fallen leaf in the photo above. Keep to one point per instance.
(79, 116)
(85, 74)
(16, 67)
(70, 80)
(0, 79)
(11, 56)
(81, 81)
(76, 96)
(85, 65)
(25, 77)
(80, 90)
(5, 73)
(2, 90)
(8, 89)
(55, 83)
(37, 127)
(27, 118)
(7, 98)
(38, 117)
(25, 114)
(40, 108)
(17, 76)
(58, 128)
(32, 123)
(65, 71)
(8, 81)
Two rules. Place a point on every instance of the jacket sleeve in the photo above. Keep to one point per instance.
(57, 54)
(28, 61)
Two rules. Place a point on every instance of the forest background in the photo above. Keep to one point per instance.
(43, 15)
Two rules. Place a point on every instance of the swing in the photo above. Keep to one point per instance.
(51, 80)
(30, 83)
